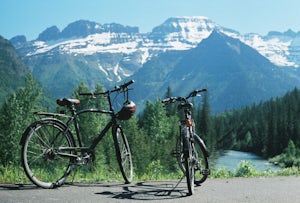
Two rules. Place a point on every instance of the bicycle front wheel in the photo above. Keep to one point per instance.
(188, 164)
(41, 160)
(123, 154)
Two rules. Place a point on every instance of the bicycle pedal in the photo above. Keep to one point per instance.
(80, 161)
(83, 160)
(205, 172)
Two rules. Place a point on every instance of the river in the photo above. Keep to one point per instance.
(231, 159)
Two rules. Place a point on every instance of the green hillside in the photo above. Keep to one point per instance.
(12, 69)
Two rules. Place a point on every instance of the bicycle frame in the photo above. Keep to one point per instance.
(50, 147)
(188, 123)
(97, 139)
(73, 120)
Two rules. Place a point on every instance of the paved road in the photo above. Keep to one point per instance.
(262, 190)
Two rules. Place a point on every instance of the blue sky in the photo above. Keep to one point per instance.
(31, 17)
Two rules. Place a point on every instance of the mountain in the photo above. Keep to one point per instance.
(82, 29)
(234, 73)
(83, 51)
(12, 69)
(280, 48)
(110, 53)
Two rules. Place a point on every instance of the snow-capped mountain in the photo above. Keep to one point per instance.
(177, 33)
(108, 53)
(280, 48)
(234, 73)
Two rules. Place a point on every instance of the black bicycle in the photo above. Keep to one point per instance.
(50, 150)
(191, 152)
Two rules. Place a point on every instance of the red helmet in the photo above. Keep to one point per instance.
(127, 110)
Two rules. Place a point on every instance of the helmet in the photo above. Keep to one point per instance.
(127, 110)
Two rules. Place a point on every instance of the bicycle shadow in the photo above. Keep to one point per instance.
(18, 187)
(146, 190)
(149, 191)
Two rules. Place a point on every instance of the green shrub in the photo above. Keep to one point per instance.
(246, 169)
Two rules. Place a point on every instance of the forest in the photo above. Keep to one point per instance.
(270, 129)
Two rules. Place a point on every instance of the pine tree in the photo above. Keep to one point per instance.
(157, 127)
(139, 144)
(204, 124)
(15, 116)
(170, 108)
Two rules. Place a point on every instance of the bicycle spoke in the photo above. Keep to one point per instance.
(40, 134)
(123, 154)
(42, 164)
(34, 159)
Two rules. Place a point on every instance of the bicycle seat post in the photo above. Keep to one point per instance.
(72, 109)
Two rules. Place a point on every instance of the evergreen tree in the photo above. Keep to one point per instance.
(15, 116)
(139, 144)
(170, 108)
(204, 124)
(157, 126)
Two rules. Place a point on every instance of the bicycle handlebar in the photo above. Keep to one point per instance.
(123, 87)
(171, 99)
(117, 88)
(174, 99)
(195, 92)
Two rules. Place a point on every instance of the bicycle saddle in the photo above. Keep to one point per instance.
(67, 102)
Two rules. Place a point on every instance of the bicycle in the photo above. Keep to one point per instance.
(50, 151)
(190, 150)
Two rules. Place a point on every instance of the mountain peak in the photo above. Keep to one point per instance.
(18, 40)
(218, 42)
(288, 33)
(185, 30)
(82, 29)
(188, 19)
(185, 23)
(51, 33)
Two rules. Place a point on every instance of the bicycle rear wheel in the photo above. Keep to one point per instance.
(201, 167)
(39, 155)
(123, 154)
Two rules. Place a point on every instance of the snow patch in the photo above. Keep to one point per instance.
(281, 51)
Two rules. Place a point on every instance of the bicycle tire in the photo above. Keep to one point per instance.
(188, 162)
(123, 154)
(202, 167)
(40, 161)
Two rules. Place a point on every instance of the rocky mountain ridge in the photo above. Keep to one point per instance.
(90, 52)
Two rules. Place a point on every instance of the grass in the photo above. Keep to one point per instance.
(246, 169)
(16, 175)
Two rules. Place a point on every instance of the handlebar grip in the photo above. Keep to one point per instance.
(195, 92)
(166, 100)
(126, 84)
(122, 87)
(201, 90)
